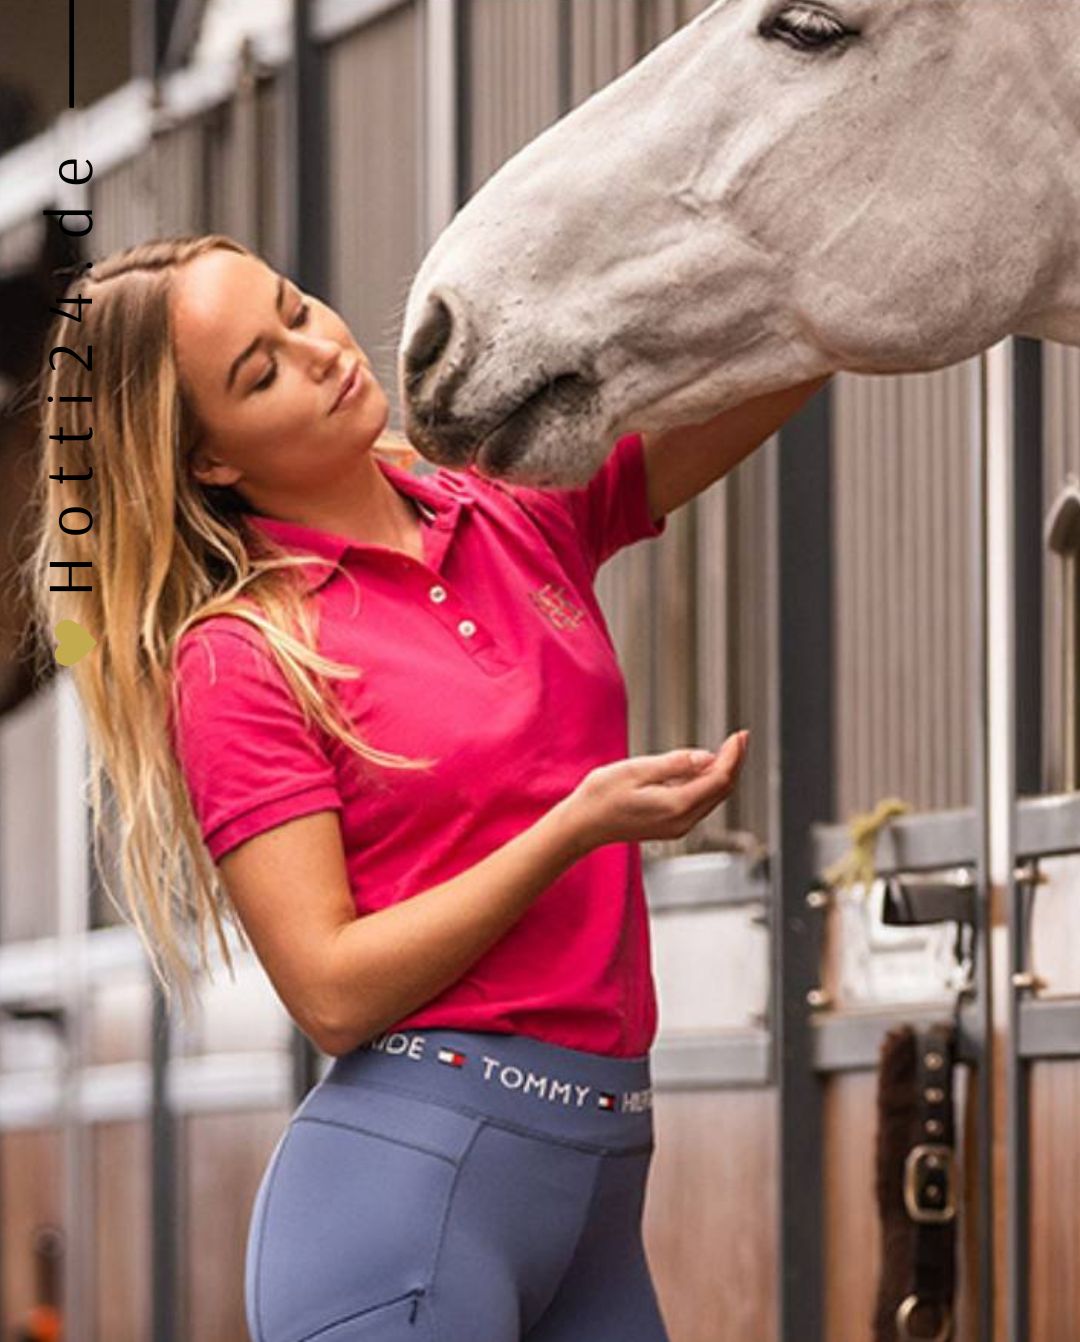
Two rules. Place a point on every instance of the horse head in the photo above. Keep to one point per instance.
(782, 189)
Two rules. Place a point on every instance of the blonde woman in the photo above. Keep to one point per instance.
(376, 717)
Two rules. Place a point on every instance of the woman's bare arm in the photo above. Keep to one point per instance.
(343, 979)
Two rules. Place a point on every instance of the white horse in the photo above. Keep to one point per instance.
(776, 192)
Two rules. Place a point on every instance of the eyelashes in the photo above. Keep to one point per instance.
(303, 316)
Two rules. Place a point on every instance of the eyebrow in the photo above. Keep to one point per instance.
(234, 368)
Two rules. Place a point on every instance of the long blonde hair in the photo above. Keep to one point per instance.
(163, 552)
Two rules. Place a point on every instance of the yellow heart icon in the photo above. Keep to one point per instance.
(73, 642)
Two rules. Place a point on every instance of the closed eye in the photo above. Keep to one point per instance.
(303, 317)
(806, 27)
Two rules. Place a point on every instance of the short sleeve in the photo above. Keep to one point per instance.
(609, 512)
(248, 758)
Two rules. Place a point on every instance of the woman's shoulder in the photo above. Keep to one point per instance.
(216, 635)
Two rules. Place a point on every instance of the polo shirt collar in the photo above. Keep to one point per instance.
(442, 508)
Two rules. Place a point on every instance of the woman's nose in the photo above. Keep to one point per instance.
(326, 354)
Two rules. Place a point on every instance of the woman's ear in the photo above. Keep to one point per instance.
(207, 469)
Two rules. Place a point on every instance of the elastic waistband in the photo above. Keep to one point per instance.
(548, 1088)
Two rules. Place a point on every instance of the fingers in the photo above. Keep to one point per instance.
(716, 780)
(676, 765)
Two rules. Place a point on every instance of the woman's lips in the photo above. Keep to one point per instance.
(353, 382)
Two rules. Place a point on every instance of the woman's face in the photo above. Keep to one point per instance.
(263, 363)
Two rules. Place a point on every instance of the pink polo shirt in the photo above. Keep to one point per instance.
(493, 657)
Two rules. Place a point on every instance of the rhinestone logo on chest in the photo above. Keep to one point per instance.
(557, 606)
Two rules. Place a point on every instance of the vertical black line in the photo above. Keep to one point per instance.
(307, 254)
(977, 1023)
(565, 56)
(1028, 596)
(163, 1193)
(1028, 654)
(463, 94)
(802, 794)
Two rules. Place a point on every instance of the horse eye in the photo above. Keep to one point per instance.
(806, 28)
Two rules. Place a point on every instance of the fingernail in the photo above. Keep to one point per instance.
(699, 757)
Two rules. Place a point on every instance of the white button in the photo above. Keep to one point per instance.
(467, 628)
(437, 593)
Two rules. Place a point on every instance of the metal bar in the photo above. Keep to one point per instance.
(704, 880)
(223, 1083)
(304, 176)
(439, 175)
(1045, 827)
(981, 969)
(72, 829)
(463, 93)
(1048, 1029)
(307, 250)
(715, 1061)
(1010, 731)
(164, 1256)
(845, 1041)
(1027, 524)
(802, 792)
(564, 21)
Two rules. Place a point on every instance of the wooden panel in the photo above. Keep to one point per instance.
(231, 181)
(1055, 1201)
(713, 644)
(29, 875)
(903, 674)
(123, 202)
(176, 164)
(1061, 461)
(709, 1224)
(659, 19)
(122, 1243)
(374, 183)
(603, 40)
(225, 1156)
(751, 655)
(712, 969)
(30, 1196)
(513, 79)
(851, 1227)
(624, 591)
(270, 113)
(118, 1020)
(672, 631)
(1055, 928)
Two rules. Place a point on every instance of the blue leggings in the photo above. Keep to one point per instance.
(451, 1186)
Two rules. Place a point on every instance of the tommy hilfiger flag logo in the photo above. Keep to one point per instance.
(605, 1101)
(452, 1057)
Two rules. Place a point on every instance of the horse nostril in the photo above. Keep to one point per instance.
(429, 340)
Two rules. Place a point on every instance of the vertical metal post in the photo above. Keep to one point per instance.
(565, 28)
(801, 793)
(979, 1021)
(442, 113)
(164, 1296)
(1026, 599)
(304, 175)
(307, 255)
(74, 837)
(1028, 591)
(463, 98)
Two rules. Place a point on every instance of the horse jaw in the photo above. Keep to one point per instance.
(732, 216)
